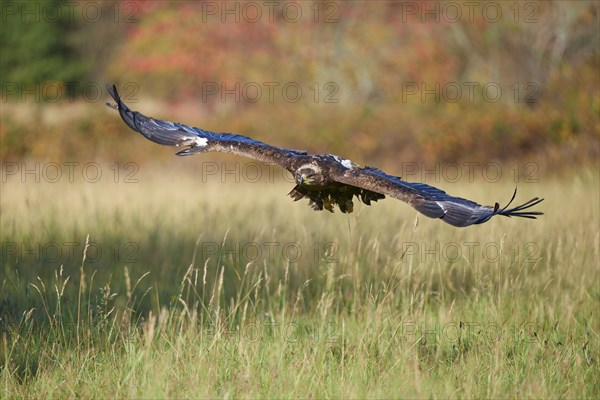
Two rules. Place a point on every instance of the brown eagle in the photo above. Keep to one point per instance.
(325, 179)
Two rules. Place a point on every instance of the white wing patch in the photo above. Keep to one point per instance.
(346, 163)
(442, 207)
(194, 142)
(201, 142)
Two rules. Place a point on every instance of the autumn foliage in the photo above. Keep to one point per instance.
(411, 81)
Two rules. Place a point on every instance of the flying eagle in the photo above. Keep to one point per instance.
(325, 179)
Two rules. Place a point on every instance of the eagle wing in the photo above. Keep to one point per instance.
(431, 201)
(195, 140)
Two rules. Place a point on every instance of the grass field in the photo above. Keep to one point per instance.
(222, 289)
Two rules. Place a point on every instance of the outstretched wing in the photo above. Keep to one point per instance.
(431, 201)
(195, 140)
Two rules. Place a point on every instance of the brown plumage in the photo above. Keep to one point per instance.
(325, 179)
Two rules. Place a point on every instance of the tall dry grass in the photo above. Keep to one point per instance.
(380, 303)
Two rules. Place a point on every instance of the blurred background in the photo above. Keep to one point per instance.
(97, 220)
(430, 82)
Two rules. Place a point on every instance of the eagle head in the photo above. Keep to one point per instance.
(309, 175)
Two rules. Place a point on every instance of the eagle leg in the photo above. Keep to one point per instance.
(329, 204)
(316, 204)
(346, 205)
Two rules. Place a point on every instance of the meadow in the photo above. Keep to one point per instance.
(156, 282)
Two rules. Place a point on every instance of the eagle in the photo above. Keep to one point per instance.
(326, 180)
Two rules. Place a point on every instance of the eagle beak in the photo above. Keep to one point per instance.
(304, 179)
